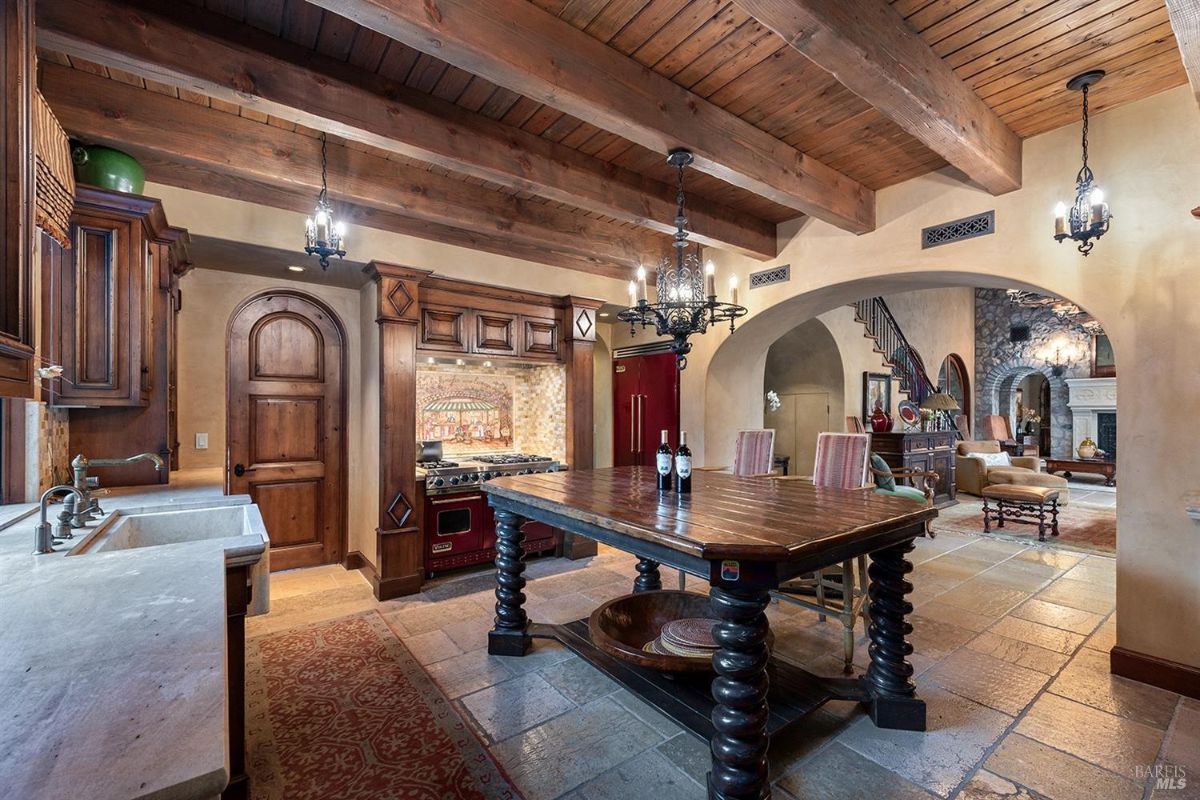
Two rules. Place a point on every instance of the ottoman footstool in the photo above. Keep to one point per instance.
(1028, 505)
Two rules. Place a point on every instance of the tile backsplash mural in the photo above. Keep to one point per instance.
(476, 409)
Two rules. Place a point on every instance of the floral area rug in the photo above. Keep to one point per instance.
(1082, 528)
(341, 709)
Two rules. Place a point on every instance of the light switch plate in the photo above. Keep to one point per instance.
(201, 441)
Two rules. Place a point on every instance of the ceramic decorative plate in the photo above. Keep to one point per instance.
(910, 412)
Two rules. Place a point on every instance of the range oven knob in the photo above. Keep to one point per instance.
(438, 481)
(551, 469)
(454, 481)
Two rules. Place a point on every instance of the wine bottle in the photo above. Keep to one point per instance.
(683, 465)
(663, 463)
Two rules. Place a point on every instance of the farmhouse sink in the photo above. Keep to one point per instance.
(233, 519)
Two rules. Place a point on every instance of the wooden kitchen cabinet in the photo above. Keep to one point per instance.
(444, 328)
(108, 316)
(541, 337)
(497, 333)
(105, 300)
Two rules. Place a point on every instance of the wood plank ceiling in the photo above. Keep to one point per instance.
(1015, 54)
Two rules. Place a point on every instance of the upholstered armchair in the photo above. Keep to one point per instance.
(973, 473)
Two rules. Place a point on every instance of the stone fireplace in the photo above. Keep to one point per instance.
(1093, 404)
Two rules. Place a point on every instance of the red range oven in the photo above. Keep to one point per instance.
(459, 526)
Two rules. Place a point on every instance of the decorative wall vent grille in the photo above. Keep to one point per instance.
(966, 228)
(649, 349)
(765, 277)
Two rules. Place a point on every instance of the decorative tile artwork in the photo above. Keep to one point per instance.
(493, 410)
(471, 412)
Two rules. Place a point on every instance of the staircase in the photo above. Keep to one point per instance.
(890, 343)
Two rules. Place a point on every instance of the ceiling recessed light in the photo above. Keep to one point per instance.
(294, 268)
(429, 360)
(459, 361)
(604, 313)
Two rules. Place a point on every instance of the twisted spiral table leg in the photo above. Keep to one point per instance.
(739, 745)
(648, 579)
(510, 636)
(889, 677)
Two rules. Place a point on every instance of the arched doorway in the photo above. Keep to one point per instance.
(286, 423)
(804, 369)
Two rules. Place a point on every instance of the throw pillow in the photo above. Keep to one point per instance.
(993, 460)
(884, 481)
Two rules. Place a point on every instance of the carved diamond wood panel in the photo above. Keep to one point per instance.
(400, 510)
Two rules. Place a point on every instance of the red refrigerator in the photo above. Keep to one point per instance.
(645, 403)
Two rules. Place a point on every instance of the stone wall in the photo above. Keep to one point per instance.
(47, 454)
(1000, 363)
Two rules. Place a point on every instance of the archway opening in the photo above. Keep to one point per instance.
(804, 370)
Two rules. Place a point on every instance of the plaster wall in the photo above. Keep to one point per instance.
(1140, 282)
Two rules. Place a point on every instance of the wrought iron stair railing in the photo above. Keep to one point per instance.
(890, 342)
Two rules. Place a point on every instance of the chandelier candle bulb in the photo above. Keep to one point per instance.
(710, 280)
(733, 287)
(632, 293)
(643, 297)
(1099, 207)
(1060, 220)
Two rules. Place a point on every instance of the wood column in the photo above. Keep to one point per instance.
(580, 328)
(399, 552)
(17, 77)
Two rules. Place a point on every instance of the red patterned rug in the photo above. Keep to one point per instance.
(341, 709)
(1085, 528)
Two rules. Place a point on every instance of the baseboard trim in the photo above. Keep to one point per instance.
(1169, 675)
(356, 560)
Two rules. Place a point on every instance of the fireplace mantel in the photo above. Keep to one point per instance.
(1089, 397)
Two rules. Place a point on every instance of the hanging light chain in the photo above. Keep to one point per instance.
(324, 169)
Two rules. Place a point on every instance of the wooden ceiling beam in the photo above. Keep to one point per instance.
(1185, 21)
(188, 47)
(867, 46)
(145, 122)
(199, 179)
(517, 45)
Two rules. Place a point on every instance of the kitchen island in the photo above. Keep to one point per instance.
(744, 536)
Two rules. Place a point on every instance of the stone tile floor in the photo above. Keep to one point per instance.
(1011, 657)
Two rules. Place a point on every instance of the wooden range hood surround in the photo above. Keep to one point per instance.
(419, 315)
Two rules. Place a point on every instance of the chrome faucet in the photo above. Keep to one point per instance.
(43, 541)
(85, 506)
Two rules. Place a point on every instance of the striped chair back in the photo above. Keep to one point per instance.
(754, 452)
(842, 460)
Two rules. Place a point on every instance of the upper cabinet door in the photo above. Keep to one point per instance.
(101, 315)
(540, 337)
(445, 328)
(496, 333)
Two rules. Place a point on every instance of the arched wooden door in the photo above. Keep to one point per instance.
(285, 429)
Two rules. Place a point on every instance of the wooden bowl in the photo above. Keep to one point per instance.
(623, 625)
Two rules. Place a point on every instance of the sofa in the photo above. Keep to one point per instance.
(973, 474)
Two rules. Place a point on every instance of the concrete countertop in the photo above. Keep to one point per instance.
(112, 669)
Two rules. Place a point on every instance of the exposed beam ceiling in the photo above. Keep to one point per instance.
(147, 122)
(867, 46)
(1185, 21)
(189, 176)
(207, 53)
(523, 48)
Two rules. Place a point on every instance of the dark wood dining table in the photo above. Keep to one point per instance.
(744, 536)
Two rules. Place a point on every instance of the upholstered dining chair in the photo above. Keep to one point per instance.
(842, 462)
(753, 456)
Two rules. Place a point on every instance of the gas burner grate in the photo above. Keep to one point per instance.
(437, 464)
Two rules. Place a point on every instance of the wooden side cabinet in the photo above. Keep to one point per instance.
(920, 450)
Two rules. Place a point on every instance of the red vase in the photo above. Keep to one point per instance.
(881, 421)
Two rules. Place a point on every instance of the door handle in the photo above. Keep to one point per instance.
(241, 469)
(633, 423)
(641, 421)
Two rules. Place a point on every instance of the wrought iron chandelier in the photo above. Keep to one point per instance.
(323, 236)
(685, 296)
(1088, 217)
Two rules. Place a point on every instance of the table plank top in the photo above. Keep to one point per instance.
(725, 516)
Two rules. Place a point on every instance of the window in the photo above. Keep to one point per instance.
(952, 377)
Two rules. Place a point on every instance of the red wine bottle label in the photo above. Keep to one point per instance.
(683, 466)
(664, 463)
